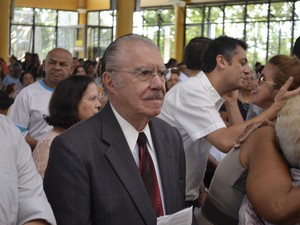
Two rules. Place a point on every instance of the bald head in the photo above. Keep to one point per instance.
(58, 66)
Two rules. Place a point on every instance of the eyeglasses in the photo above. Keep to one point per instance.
(146, 74)
(262, 79)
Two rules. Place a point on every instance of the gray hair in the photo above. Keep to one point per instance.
(109, 59)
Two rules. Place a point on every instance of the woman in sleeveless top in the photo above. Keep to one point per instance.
(257, 166)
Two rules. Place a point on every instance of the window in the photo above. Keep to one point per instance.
(40, 30)
(100, 32)
(21, 32)
(268, 28)
(158, 25)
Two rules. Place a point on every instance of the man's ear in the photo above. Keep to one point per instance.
(44, 65)
(107, 80)
(221, 61)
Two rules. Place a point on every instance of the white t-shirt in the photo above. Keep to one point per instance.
(30, 108)
(193, 108)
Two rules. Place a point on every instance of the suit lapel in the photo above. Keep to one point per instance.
(121, 159)
(166, 167)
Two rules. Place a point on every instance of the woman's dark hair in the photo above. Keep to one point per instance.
(5, 100)
(65, 100)
(171, 63)
(8, 89)
(23, 74)
(2, 73)
(296, 48)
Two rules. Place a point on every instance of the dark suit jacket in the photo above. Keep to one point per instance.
(92, 177)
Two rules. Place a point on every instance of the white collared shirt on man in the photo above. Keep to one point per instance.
(193, 108)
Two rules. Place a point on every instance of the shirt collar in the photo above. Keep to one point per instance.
(217, 99)
(130, 133)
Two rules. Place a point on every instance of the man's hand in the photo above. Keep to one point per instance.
(231, 96)
(249, 130)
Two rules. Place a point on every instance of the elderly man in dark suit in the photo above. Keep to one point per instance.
(95, 173)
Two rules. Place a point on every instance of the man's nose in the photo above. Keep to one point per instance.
(57, 66)
(156, 82)
(97, 104)
(247, 69)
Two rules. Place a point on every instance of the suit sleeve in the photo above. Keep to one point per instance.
(66, 184)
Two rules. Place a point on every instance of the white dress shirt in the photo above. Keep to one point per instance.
(193, 108)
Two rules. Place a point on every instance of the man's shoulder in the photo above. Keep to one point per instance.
(35, 85)
(159, 122)
(87, 128)
(163, 126)
(6, 78)
(7, 128)
(165, 133)
(5, 122)
(192, 84)
(36, 90)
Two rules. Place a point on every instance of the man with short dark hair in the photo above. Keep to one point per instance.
(193, 108)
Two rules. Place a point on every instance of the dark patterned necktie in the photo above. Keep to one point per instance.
(148, 174)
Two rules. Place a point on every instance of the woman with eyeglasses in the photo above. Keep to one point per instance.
(257, 167)
(272, 78)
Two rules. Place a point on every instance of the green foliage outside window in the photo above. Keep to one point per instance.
(268, 28)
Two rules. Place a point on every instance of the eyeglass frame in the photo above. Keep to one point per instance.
(261, 79)
(165, 76)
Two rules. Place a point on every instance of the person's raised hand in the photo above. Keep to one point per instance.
(283, 94)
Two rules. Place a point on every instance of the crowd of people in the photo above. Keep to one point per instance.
(129, 139)
(19, 73)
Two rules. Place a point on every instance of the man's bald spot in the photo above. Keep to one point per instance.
(62, 50)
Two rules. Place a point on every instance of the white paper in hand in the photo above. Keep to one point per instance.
(183, 217)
